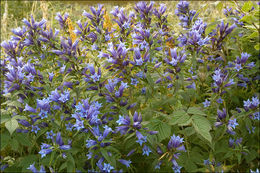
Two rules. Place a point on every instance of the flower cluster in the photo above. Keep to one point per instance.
(105, 93)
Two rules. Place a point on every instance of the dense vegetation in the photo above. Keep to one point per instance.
(129, 90)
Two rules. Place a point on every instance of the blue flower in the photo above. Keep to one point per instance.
(139, 61)
(134, 81)
(110, 86)
(175, 142)
(32, 168)
(121, 120)
(256, 115)
(107, 167)
(207, 162)
(51, 75)
(89, 155)
(142, 140)
(247, 103)
(43, 114)
(143, 90)
(44, 152)
(125, 162)
(35, 129)
(255, 101)
(65, 147)
(79, 124)
(232, 123)
(193, 85)
(238, 67)
(95, 77)
(54, 96)
(29, 108)
(219, 100)
(69, 126)
(50, 134)
(176, 168)
(64, 97)
(90, 143)
(30, 77)
(158, 165)
(206, 103)
(146, 150)
(43, 104)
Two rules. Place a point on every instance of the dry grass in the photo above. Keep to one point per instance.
(209, 11)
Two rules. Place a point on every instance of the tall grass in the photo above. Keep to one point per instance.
(12, 12)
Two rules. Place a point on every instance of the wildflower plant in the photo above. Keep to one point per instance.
(123, 91)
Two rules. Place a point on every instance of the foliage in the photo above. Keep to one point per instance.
(124, 91)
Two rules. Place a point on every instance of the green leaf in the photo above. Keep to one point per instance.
(257, 47)
(5, 118)
(253, 35)
(179, 117)
(202, 126)
(195, 111)
(15, 145)
(27, 161)
(11, 125)
(164, 130)
(247, 19)
(108, 158)
(5, 138)
(63, 166)
(23, 139)
(186, 122)
(247, 6)
(189, 131)
(70, 163)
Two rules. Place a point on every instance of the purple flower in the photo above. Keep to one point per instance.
(255, 101)
(247, 103)
(158, 165)
(146, 150)
(175, 142)
(141, 139)
(121, 120)
(44, 152)
(90, 143)
(207, 162)
(43, 114)
(107, 167)
(50, 134)
(35, 129)
(219, 100)
(54, 96)
(193, 85)
(232, 123)
(222, 114)
(238, 67)
(32, 168)
(176, 168)
(125, 162)
(134, 81)
(65, 147)
(122, 129)
(64, 97)
(110, 86)
(59, 140)
(43, 104)
(51, 75)
(30, 109)
(206, 103)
